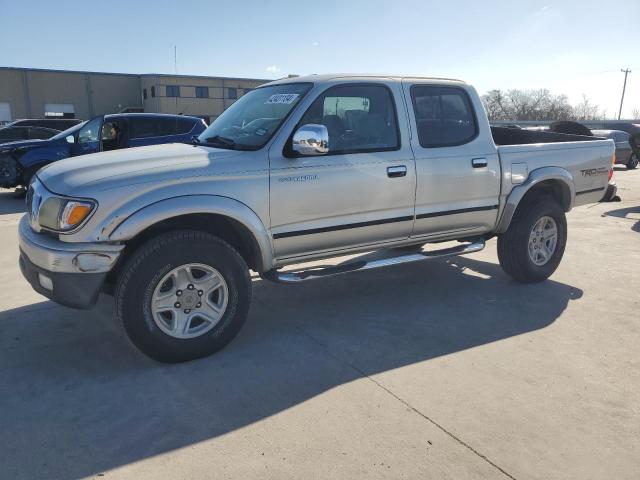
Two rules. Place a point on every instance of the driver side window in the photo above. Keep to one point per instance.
(90, 132)
(359, 118)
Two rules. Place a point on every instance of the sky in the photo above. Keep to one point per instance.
(569, 47)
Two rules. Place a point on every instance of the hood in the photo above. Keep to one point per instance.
(24, 144)
(106, 170)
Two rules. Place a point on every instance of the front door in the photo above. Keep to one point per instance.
(89, 139)
(362, 191)
(457, 164)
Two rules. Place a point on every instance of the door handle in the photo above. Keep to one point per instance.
(479, 162)
(396, 171)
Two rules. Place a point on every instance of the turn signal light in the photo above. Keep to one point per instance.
(74, 213)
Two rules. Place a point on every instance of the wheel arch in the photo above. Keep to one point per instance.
(554, 181)
(228, 219)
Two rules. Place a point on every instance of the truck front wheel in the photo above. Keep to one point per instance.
(183, 295)
(532, 247)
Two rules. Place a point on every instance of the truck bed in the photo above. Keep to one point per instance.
(517, 136)
(587, 159)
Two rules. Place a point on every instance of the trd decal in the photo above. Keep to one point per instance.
(594, 172)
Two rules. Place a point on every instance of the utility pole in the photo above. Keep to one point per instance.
(624, 87)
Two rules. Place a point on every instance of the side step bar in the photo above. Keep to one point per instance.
(390, 257)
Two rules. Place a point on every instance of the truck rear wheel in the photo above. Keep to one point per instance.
(183, 295)
(533, 246)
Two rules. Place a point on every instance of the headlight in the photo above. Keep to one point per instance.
(62, 215)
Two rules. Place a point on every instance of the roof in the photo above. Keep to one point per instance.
(150, 114)
(335, 76)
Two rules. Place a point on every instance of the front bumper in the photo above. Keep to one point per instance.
(71, 274)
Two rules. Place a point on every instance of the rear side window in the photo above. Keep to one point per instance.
(444, 116)
(176, 126)
(621, 136)
(41, 133)
(144, 127)
(13, 132)
(359, 118)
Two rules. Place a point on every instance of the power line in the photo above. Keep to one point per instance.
(624, 87)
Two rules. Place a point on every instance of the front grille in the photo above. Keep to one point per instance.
(29, 199)
(34, 199)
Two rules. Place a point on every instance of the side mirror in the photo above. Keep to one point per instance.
(70, 139)
(311, 139)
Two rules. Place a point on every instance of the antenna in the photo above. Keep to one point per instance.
(175, 69)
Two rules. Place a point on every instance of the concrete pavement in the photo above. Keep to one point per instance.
(445, 369)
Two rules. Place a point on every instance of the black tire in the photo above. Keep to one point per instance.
(27, 175)
(633, 162)
(149, 263)
(513, 250)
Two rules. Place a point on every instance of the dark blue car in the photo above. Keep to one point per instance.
(20, 160)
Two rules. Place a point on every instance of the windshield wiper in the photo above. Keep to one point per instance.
(219, 140)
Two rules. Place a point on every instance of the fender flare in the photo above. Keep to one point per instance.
(172, 207)
(536, 177)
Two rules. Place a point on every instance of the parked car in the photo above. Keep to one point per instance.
(15, 133)
(299, 169)
(629, 127)
(20, 160)
(624, 151)
(59, 124)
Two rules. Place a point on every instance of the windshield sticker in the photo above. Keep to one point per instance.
(261, 131)
(285, 98)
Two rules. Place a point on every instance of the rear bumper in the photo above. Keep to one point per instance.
(67, 273)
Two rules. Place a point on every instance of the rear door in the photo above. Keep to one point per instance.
(362, 191)
(623, 147)
(144, 130)
(457, 164)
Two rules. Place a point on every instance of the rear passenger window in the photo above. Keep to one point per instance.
(144, 127)
(444, 116)
(359, 118)
(176, 126)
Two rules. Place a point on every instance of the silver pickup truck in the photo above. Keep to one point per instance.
(299, 169)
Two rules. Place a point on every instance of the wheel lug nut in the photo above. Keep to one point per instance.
(200, 292)
(177, 304)
(190, 287)
(198, 305)
(178, 293)
(186, 310)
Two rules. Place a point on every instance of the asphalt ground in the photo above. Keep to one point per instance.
(441, 369)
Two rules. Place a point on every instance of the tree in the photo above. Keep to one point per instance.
(636, 113)
(518, 105)
(585, 110)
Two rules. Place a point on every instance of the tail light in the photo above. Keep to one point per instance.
(613, 162)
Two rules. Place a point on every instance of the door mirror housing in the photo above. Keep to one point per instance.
(70, 139)
(311, 139)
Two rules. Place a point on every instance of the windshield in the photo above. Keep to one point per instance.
(68, 131)
(251, 121)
